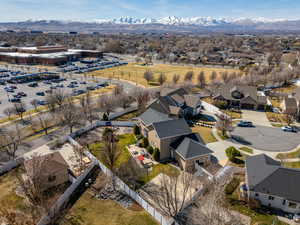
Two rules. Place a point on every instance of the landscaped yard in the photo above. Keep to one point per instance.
(233, 115)
(124, 140)
(246, 149)
(129, 116)
(257, 218)
(292, 164)
(157, 169)
(275, 117)
(135, 72)
(288, 89)
(90, 211)
(205, 133)
(290, 155)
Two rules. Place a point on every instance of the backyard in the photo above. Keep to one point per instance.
(124, 140)
(90, 211)
(135, 72)
(258, 216)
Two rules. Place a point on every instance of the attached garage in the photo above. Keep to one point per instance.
(248, 103)
(247, 106)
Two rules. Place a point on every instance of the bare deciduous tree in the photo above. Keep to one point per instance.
(201, 80)
(171, 194)
(175, 78)
(148, 76)
(189, 76)
(224, 123)
(10, 140)
(162, 78)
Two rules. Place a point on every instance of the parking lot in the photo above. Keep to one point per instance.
(266, 138)
(32, 92)
(72, 73)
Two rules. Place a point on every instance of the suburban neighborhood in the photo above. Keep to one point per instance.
(175, 120)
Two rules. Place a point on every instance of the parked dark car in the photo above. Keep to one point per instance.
(41, 93)
(33, 84)
(245, 124)
(14, 100)
(23, 94)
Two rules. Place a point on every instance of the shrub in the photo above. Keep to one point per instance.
(136, 130)
(232, 153)
(221, 104)
(150, 150)
(231, 186)
(105, 117)
(156, 154)
(145, 142)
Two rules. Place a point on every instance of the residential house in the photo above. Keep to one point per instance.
(290, 106)
(272, 184)
(171, 104)
(175, 140)
(48, 170)
(241, 96)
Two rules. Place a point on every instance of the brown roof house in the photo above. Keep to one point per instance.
(48, 170)
(241, 96)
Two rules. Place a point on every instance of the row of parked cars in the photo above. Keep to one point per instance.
(91, 67)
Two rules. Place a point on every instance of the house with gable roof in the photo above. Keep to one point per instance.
(272, 184)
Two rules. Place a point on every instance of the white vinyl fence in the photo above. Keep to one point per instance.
(134, 195)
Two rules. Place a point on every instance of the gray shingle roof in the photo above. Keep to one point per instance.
(226, 91)
(267, 176)
(172, 128)
(151, 116)
(190, 149)
(192, 100)
(193, 136)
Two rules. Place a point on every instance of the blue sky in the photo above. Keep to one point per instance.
(16, 10)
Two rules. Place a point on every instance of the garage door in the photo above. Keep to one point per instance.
(247, 106)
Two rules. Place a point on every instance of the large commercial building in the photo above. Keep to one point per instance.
(44, 55)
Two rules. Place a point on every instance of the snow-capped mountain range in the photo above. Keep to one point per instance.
(166, 24)
(173, 20)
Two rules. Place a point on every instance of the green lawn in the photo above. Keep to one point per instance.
(91, 211)
(291, 155)
(205, 133)
(246, 149)
(124, 140)
(292, 164)
(157, 169)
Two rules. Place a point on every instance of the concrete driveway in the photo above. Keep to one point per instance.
(257, 117)
(266, 138)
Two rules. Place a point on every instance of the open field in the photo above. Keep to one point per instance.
(135, 72)
(90, 211)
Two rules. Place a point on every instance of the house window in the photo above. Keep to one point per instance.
(51, 178)
(271, 197)
(292, 205)
(283, 202)
(256, 194)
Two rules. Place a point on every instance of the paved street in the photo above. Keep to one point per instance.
(266, 138)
